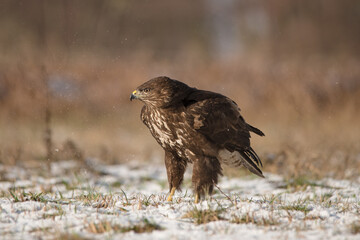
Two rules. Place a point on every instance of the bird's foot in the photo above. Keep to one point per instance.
(169, 199)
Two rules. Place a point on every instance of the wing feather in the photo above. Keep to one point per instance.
(217, 118)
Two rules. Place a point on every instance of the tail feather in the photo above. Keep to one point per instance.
(255, 130)
(235, 156)
(249, 160)
(255, 157)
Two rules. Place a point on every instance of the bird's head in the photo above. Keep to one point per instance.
(160, 92)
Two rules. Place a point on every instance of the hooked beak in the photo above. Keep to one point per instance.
(133, 96)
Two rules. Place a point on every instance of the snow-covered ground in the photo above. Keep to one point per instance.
(123, 201)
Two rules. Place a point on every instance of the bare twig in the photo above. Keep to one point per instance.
(224, 193)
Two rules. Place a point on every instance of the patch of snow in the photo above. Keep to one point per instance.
(124, 195)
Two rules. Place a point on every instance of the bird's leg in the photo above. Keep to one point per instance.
(205, 174)
(196, 198)
(169, 199)
(175, 168)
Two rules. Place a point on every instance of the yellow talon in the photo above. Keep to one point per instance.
(169, 199)
(196, 198)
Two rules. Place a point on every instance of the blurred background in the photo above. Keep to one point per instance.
(67, 69)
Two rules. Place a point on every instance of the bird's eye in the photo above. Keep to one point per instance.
(146, 90)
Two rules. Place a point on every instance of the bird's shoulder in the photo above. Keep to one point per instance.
(209, 108)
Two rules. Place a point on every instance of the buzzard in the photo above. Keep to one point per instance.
(196, 126)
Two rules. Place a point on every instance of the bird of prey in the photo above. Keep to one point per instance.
(199, 127)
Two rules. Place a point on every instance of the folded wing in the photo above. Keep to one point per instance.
(218, 119)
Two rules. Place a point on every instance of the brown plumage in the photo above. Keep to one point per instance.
(199, 127)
